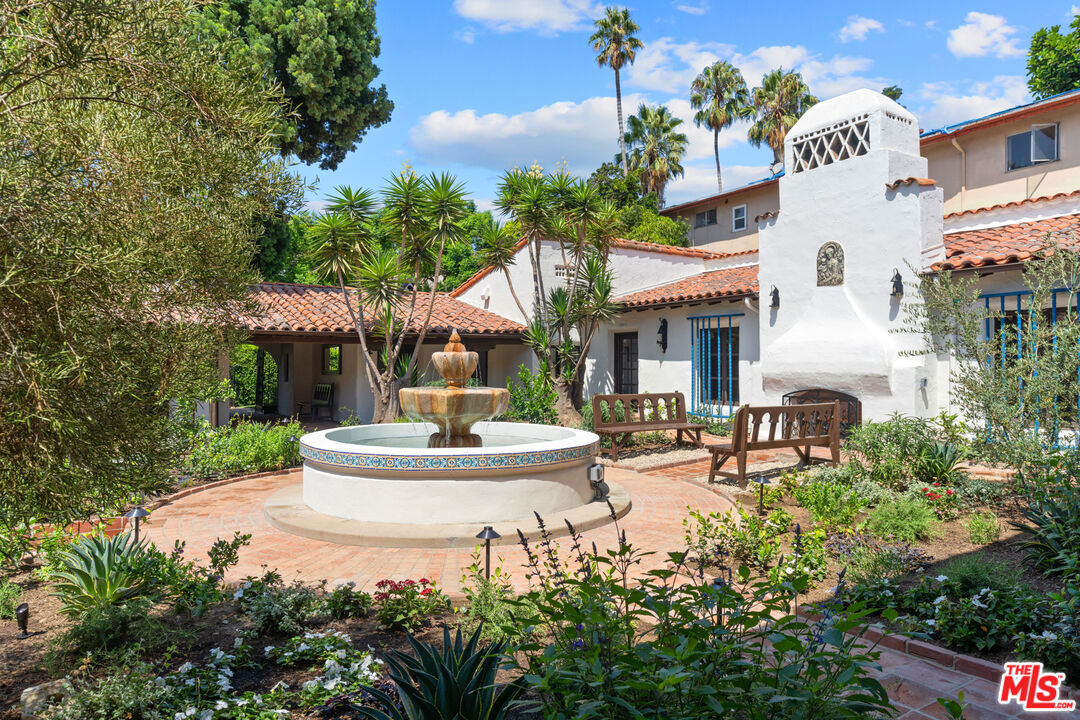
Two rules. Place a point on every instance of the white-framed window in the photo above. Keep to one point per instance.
(1033, 147)
(738, 218)
(707, 217)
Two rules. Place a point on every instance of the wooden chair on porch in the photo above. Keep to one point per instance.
(321, 398)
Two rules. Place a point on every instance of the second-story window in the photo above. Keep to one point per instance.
(1038, 145)
(705, 218)
(738, 218)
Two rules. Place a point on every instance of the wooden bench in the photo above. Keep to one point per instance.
(768, 427)
(322, 397)
(629, 414)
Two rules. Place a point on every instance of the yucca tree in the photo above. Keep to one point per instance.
(423, 214)
(720, 96)
(778, 103)
(616, 46)
(498, 250)
(526, 197)
(656, 147)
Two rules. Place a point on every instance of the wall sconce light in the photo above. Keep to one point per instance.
(897, 284)
(661, 335)
(774, 298)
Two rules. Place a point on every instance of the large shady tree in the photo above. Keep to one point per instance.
(382, 283)
(570, 213)
(133, 161)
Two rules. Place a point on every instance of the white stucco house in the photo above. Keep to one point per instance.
(805, 296)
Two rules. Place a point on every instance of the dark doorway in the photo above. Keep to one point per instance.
(626, 359)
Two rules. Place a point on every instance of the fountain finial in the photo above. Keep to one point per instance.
(454, 345)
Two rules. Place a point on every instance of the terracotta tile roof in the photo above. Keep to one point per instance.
(924, 182)
(1015, 203)
(1007, 243)
(618, 243)
(317, 309)
(726, 282)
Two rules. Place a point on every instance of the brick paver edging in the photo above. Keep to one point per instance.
(948, 659)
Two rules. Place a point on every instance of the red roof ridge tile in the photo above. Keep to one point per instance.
(1007, 244)
(1014, 203)
(921, 181)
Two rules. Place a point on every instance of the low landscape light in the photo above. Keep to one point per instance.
(295, 443)
(136, 513)
(487, 535)
(22, 616)
(761, 481)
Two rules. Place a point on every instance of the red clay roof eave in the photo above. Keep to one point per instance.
(718, 196)
(706, 300)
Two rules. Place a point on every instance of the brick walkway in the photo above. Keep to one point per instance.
(660, 498)
(655, 522)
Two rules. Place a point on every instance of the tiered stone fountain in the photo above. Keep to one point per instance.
(438, 482)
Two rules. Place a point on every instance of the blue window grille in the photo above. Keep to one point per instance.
(1012, 310)
(714, 355)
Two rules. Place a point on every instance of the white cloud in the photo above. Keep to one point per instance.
(585, 134)
(316, 206)
(700, 139)
(755, 64)
(700, 9)
(931, 24)
(670, 66)
(983, 34)
(548, 16)
(1074, 11)
(945, 104)
(700, 180)
(859, 27)
(466, 35)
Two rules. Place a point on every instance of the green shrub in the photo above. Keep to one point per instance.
(488, 601)
(983, 528)
(974, 572)
(868, 559)
(127, 695)
(906, 520)
(719, 646)
(806, 564)
(107, 635)
(532, 397)
(891, 451)
(830, 504)
(457, 681)
(97, 571)
(750, 539)
(345, 602)
(243, 448)
(277, 609)
(243, 372)
(873, 493)
(10, 593)
(191, 587)
(939, 463)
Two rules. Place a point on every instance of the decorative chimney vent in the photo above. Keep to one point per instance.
(831, 144)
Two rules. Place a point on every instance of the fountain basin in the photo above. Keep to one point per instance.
(453, 410)
(386, 474)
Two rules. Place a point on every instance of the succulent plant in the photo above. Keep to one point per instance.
(97, 571)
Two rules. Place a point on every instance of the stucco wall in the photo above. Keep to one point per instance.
(719, 237)
(988, 182)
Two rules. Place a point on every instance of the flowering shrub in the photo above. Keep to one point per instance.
(408, 604)
(943, 500)
(672, 642)
(345, 669)
(806, 563)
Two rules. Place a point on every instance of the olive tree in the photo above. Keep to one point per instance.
(134, 163)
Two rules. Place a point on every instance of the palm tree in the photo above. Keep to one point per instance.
(657, 148)
(720, 96)
(779, 102)
(615, 46)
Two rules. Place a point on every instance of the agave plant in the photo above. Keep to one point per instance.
(459, 682)
(939, 462)
(98, 571)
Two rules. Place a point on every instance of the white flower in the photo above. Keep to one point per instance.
(1047, 635)
(268, 649)
(942, 578)
(976, 603)
(931, 623)
(341, 653)
(238, 594)
(237, 642)
(940, 599)
(159, 681)
(206, 715)
(189, 682)
(185, 668)
(310, 685)
(220, 705)
(331, 684)
(240, 702)
(303, 646)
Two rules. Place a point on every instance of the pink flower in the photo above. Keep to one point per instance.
(426, 591)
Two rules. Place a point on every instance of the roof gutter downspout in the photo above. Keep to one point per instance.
(963, 174)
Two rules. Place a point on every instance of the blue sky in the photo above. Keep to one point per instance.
(480, 86)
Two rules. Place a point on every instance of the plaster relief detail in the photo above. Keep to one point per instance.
(830, 265)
